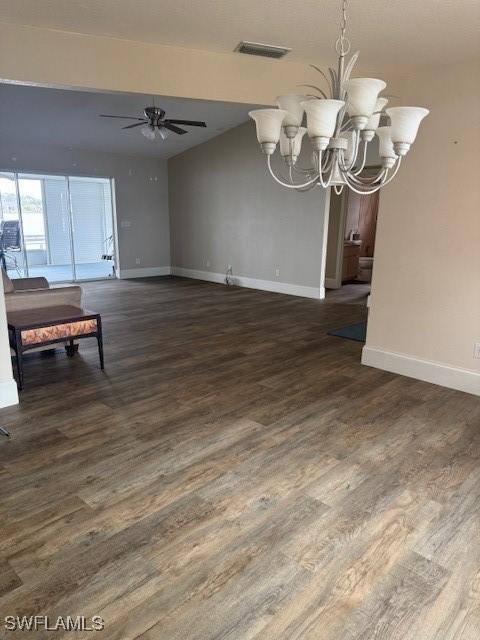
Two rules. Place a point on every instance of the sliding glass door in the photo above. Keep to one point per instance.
(60, 227)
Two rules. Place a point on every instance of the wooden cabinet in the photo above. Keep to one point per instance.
(351, 255)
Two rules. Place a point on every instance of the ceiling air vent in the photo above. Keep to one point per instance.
(258, 49)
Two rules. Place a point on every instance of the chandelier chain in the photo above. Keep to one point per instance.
(343, 24)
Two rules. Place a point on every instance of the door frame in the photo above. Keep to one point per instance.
(336, 281)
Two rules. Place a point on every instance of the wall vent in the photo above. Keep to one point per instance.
(258, 49)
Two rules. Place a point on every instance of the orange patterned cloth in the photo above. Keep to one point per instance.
(58, 331)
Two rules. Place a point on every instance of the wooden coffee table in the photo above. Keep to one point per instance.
(34, 328)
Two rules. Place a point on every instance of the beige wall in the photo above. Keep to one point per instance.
(226, 209)
(8, 387)
(59, 58)
(425, 299)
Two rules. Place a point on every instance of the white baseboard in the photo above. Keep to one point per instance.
(144, 272)
(317, 293)
(8, 393)
(426, 370)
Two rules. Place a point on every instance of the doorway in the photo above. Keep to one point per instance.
(59, 227)
(351, 239)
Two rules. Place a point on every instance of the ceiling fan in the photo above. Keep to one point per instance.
(154, 123)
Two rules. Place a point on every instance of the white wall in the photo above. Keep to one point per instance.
(141, 188)
(226, 209)
(425, 303)
(8, 386)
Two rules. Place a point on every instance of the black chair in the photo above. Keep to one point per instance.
(9, 241)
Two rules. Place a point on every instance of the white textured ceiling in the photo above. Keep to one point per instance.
(40, 116)
(391, 33)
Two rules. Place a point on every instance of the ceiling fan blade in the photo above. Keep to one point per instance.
(135, 124)
(172, 127)
(104, 115)
(191, 123)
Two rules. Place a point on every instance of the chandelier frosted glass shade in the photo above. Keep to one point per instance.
(362, 94)
(269, 124)
(292, 146)
(292, 104)
(405, 122)
(322, 117)
(374, 120)
(385, 147)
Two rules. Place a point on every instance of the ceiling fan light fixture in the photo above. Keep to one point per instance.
(163, 133)
(148, 131)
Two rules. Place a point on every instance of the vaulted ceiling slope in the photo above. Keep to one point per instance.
(41, 116)
(392, 33)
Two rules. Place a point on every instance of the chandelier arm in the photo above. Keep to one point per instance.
(394, 172)
(366, 182)
(364, 159)
(320, 173)
(286, 184)
(302, 171)
(334, 162)
(327, 161)
(352, 175)
(385, 180)
(311, 175)
(309, 188)
(362, 192)
(338, 189)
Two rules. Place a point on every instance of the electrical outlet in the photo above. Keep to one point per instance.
(125, 224)
(476, 350)
(137, 261)
(208, 263)
(277, 272)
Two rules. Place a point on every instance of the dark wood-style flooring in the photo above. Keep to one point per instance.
(235, 473)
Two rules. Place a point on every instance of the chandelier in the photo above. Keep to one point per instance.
(339, 128)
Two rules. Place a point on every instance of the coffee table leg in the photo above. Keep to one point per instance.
(71, 348)
(100, 341)
(18, 351)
